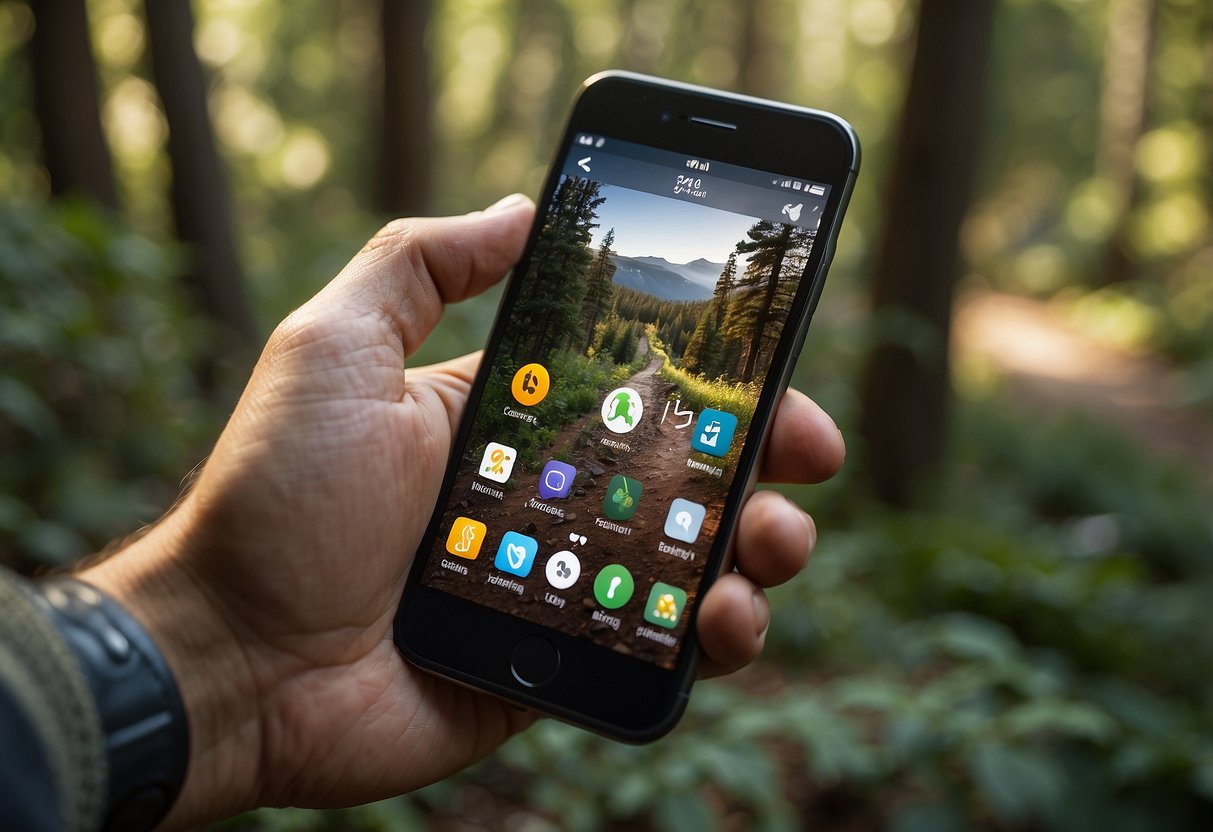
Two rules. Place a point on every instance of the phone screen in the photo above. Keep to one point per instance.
(629, 362)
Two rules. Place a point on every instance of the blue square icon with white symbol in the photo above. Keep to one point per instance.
(516, 554)
(714, 432)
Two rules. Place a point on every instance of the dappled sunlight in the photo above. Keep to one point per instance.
(120, 40)
(133, 120)
(1086, 354)
(1172, 224)
(1171, 153)
(1021, 336)
(245, 122)
(304, 159)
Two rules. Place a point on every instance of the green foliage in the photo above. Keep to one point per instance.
(1073, 468)
(699, 392)
(98, 407)
(548, 310)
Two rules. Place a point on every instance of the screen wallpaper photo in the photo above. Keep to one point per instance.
(607, 437)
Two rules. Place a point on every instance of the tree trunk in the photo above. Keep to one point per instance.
(403, 182)
(65, 100)
(905, 390)
(1128, 59)
(201, 204)
(758, 59)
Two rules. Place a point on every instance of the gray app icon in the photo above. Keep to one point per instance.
(684, 520)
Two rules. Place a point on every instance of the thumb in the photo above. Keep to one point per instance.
(411, 268)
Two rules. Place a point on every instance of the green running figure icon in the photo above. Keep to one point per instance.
(621, 410)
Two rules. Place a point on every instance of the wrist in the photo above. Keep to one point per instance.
(152, 581)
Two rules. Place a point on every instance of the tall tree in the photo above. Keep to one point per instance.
(548, 307)
(1123, 106)
(703, 349)
(724, 288)
(598, 286)
(905, 390)
(777, 252)
(65, 99)
(402, 182)
(201, 205)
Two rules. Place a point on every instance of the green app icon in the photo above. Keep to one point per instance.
(665, 605)
(622, 497)
(613, 586)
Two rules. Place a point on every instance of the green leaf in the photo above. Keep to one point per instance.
(23, 407)
(1017, 784)
(1077, 720)
(684, 810)
(744, 771)
(929, 817)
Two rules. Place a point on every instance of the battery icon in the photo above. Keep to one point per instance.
(817, 190)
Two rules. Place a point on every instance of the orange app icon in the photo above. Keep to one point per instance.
(465, 537)
(530, 384)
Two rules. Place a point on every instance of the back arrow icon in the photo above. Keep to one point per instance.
(584, 164)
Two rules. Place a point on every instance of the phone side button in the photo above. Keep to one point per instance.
(535, 661)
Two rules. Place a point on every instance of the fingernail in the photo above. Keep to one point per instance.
(762, 612)
(506, 203)
(810, 529)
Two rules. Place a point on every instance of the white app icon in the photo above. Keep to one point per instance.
(684, 520)
(563, 570)
(622, 409)
(793, 211)
(497, 462)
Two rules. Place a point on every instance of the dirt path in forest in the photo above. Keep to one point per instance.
(655, 452)
(1053, 368)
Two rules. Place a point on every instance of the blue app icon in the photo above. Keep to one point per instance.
(556, 480)
(714, 432)
(516, 554)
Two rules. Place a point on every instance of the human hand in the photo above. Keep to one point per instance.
(272, 586)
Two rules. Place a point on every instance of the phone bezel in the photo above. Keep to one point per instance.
(597, 687)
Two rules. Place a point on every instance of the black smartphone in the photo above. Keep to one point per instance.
(614, 428)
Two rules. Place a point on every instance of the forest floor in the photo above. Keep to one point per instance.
(1055, 369)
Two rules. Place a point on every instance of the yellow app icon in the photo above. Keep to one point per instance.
(530, 384)
(465, 537)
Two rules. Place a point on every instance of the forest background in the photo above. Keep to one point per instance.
(1006, 624)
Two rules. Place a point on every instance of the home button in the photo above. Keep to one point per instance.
(535, 661)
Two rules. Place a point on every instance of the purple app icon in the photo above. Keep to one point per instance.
(556, 479)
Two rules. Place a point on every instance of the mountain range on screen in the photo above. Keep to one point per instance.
(669, 281)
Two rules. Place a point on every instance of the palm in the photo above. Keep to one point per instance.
(316, 597)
